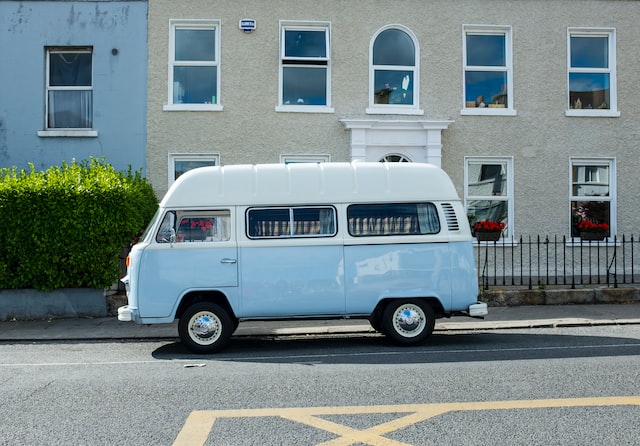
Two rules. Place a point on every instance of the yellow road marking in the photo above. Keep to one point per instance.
(199, 423)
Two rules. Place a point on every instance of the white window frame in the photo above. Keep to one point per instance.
(311, 158)
(175, 24)
(610, 33)
(611, 198)
(395, 109)
(506, 31)
(286, 25)
(174, 157)
(66, 132)
(509, 197)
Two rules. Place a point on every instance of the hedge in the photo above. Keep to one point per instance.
(66, 227)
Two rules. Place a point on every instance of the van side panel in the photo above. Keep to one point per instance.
(285, 279)
(378, 271)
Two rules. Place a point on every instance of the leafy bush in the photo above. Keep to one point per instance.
(66, 227)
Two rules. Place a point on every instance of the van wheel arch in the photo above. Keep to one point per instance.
(215, 297)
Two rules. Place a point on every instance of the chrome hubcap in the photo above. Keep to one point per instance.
(409, 320)
(205, 328)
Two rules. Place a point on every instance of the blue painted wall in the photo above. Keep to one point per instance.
(119, 80)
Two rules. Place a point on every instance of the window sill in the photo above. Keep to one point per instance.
(192, 107)
(304, 109)
(488, 112)
(68, 133)
(394, 111)
(591, 113)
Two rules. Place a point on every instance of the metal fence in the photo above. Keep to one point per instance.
(540, 261)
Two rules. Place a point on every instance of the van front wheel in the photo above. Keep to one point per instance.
(205, 327)
(408, 322)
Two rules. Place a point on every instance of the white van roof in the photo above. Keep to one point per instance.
(309, 183)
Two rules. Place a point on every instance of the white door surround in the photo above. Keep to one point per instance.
(418, 140)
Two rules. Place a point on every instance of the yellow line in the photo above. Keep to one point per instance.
(196, 430)
(199, 423)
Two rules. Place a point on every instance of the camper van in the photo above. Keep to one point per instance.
(389, 242)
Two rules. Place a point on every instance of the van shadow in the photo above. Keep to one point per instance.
(441, 348)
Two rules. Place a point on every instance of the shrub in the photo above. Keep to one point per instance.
(66, 227)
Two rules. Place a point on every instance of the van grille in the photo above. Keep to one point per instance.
(450, 215)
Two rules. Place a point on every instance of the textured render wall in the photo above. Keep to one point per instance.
(119, 81)
(540, 138)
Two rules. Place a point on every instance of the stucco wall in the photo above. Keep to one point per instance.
(119, 81)
(540, 138)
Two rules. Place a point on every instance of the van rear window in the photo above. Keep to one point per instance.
(308, 221)
(367, 220)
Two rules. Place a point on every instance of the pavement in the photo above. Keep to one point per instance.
(109, 328)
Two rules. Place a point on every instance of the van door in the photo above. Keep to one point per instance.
(193, 250)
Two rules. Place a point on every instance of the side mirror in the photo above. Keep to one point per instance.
(172, 237)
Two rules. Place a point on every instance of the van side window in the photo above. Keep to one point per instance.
(392, 219)
(308, 221)
(195, 226)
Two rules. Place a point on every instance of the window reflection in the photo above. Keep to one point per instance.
(195, 85)
(486, 50)
(305, 43)
(195, 44)
(304, 86)
(393, 47)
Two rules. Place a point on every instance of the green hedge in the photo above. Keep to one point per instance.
(66, 227)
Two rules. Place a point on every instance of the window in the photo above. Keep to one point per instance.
(393, 75)
(592, 193)
(311, 221)
(181, 163)
(194, 64)
(305, 68)
(488, 78)
(369, 220)
(69, 90)
(592, 73)
(195, 226)
(488, 187)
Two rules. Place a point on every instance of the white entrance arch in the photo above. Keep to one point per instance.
(417, 140)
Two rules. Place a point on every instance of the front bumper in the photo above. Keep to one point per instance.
(127, 313)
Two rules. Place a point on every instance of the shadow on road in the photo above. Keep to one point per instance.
(441, 348)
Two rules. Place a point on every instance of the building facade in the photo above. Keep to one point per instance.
(73, 82)
(528, 105)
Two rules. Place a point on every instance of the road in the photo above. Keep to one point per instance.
(576, 385)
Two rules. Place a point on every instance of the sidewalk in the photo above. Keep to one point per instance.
(498, 318)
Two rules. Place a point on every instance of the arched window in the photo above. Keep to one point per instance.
(394, 72)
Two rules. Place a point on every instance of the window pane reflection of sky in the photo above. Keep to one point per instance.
(492, 85)
(589, 52)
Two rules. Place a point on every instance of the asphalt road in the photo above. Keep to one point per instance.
(576, 385)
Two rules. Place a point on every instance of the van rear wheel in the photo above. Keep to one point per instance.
(408, 322)
(205, 327)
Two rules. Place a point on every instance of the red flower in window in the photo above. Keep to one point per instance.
(488, 226)
(589, 226)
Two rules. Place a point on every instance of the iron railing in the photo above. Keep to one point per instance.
(540, 261)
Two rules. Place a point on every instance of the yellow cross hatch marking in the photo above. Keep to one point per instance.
(200, 422)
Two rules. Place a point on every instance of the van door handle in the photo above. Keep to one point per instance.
(228, 261)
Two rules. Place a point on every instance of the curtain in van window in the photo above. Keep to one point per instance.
(428, 218)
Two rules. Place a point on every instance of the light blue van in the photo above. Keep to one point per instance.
(389, 242)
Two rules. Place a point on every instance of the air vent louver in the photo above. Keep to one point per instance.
(450, 215)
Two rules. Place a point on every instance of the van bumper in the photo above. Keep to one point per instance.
(478, 309)
(127, 314)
